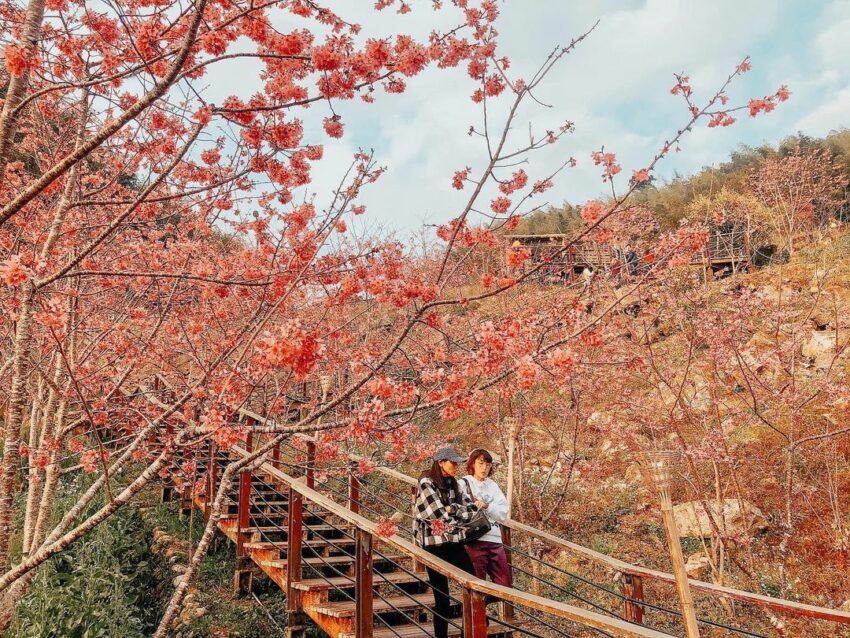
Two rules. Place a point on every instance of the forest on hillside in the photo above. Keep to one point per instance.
(737, 187)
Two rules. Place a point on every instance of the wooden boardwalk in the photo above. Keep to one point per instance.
(560, 259)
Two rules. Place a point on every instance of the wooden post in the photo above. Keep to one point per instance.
(276, 456)
(506, 609)
(633, 590)
(474, 614)
(243, 575)
(212, 479)
(511, 422)
(537, 549)
(167, 490)
(353, 490)
(244, 507)
(311, 464)
(294, 531)
(363, 584)
(417, 566)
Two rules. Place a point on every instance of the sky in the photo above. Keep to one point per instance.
(615, 87)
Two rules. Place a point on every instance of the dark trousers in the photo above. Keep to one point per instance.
(455, 554)
(490, 559)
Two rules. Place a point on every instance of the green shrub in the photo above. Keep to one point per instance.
(103, 585)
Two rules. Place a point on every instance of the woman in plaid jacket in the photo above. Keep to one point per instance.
(441, 511)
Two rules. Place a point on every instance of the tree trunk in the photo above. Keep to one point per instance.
(19, 85)
(176, 601)
(33, 473)
(14, 421)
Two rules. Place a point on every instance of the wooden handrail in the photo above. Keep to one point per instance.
(776, 604)
(465, 580)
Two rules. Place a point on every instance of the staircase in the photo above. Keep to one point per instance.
(323, 583)
(312, 530)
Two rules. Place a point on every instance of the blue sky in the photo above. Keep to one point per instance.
(615, 87)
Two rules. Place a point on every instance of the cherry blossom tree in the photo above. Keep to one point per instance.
(799, 192)
(145, 230)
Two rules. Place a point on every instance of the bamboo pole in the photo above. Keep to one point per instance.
(659, 466)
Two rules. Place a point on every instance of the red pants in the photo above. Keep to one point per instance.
(490, 558)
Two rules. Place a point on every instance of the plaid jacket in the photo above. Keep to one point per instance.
(430, 507)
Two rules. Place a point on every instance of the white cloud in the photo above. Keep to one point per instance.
(615, 87)
(830, 115)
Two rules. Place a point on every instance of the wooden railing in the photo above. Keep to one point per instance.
(474, 589)
(731, 247)
(633, 578)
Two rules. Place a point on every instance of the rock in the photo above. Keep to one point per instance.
(644, 336)
(692, 520)
(771, 294)
(633, 474)
(822, 318)
(173, 552)
(697, 566)
(821, 347)
(597, 419)
(818, 279)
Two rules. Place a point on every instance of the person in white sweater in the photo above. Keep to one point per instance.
(487, 553)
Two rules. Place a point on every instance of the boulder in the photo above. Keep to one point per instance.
(692, 520)
(698, 566)
(633, 474)
(820, 347)
(771, 294)
(597, 419)
(818, 280)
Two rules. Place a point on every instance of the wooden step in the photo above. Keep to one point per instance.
(413, 631)
(389, 604)
(307, 529)
(281, 545)
(331, 560)
(342, 582)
